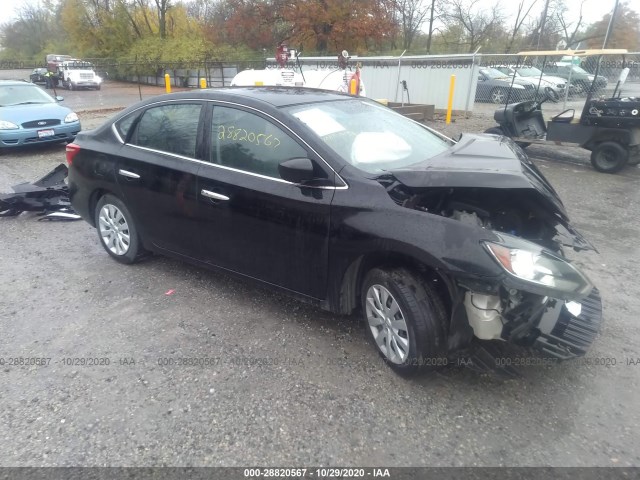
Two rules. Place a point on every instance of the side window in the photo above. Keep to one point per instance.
(171, 128)
(248, 142)
(124, 125)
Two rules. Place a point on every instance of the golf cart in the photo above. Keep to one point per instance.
(608, 127)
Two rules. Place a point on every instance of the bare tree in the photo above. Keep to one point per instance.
(411, 15)
(521, 15)
(570, 38)
(477, 25)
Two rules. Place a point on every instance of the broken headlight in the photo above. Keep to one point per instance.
(536, 270)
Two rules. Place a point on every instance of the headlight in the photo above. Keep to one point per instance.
(591, 77)
(98, 79)
(72, 117)
(4, 125)
(541, 271)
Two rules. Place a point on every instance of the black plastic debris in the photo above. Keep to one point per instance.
(49, 196)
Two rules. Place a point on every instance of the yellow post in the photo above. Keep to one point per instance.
(167, 82)
(203, 83)
(450, 104)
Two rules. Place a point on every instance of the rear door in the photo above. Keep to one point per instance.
(156, 171)
(254, 222)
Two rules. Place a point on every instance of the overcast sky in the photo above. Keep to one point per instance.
(593, 9)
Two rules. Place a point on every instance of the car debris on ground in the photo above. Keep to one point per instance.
(48, 196)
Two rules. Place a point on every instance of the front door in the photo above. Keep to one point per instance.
(252, 221)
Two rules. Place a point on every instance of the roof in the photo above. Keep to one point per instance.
(275, 96)
(576, 53)
(15, 82)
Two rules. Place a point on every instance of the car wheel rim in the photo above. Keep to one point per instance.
(114, 229)
(387, 324)
(607, 159)
(498, 96)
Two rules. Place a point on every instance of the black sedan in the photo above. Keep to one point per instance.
(341, 202)
(38, 75)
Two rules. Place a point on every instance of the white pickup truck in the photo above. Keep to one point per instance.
(75, 74)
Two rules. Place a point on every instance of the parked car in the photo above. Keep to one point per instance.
(580, 78)
(346, 204)
(494, 86)
(554, 87)
(38, 75)
(29, 115)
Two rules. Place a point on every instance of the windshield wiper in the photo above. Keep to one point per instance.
(27, 103)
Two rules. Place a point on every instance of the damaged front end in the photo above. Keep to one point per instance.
(541, 300)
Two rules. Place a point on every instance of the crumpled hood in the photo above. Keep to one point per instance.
(491, 162)
(482, 161)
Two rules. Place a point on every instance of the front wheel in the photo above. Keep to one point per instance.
(609, 157)
(405, 320)
(117, 230)
(498, 95)
(494, 131)
(552, 95)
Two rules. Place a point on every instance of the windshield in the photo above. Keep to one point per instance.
(369, 136)
(22, 95)
(493, 73)
(580, 70)
(529, 72)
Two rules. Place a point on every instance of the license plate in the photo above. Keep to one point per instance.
(45, 133)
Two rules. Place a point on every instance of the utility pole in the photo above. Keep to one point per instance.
(433, 6)
(610, 27)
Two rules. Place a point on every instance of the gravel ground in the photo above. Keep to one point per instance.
(328, 400)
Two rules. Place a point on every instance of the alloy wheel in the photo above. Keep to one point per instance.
(114, 229)
(387, 324)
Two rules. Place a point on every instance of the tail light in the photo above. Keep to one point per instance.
(72, 151)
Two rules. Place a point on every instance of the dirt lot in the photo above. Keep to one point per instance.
(291, 385)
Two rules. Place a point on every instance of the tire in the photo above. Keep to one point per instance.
(498, 95)
(419, 341)
(71, 86)
(609, 157)
(117, 230)
(494, 131)
(552, 95)
(98, 87)
(580, 88)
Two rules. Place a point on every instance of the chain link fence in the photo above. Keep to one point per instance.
(561, 81)
(485, 82)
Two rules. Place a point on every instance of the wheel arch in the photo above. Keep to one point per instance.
(94, 198)
(348, 298)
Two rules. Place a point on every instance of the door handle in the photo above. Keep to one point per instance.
(213, 195)
(128, 174)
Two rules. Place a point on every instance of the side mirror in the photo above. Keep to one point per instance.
(296, 170)
(59, 98)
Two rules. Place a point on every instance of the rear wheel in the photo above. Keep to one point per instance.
(117, 230)
(609, 157)
(405, 320)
